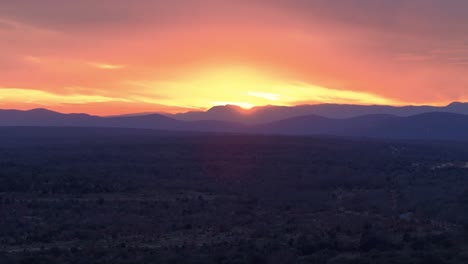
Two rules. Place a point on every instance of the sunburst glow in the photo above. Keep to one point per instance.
(247, 88)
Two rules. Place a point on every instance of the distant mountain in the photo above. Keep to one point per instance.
(44, 117)
(47, 118)
(231, 113)
(266, 114)
(430, 126)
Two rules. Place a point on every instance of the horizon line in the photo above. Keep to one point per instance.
(239, 108)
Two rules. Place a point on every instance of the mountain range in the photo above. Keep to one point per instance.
(266, 114)
(447, 123)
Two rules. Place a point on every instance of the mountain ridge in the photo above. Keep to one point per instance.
(428, 125)
(270, 113)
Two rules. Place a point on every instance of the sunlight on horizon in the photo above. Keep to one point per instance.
(248, 88)
(242, 86)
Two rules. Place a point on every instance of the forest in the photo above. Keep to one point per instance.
(129, 196)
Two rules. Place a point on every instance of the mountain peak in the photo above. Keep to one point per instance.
(41, 111)
(226, 108)
(457, 104)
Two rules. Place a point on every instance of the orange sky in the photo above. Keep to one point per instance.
(117, 56)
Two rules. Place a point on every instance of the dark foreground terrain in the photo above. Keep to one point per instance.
(136, 196)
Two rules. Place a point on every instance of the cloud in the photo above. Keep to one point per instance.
(46, 98)
(10, 25)
(20, 98)
(106, 66)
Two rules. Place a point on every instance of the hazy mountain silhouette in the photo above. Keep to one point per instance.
(44, 117)
(432, 125)
(266, 114)
(435, 125)
(224, 113)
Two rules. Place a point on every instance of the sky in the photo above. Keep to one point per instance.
(108, 57)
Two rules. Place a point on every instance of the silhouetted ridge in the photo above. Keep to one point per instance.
(267, 114)
(41, 111)
(225, 108)
(432, 125)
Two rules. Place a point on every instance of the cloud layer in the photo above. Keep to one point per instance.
(189, 54)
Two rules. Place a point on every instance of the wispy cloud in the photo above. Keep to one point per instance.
(9, 94)
(52, 61)
(414, 57)
(13, 26)
(107, 66)
(316, 94)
